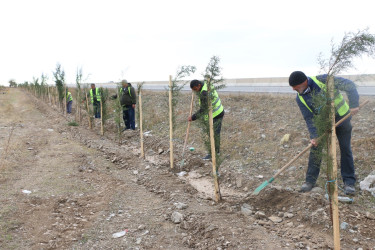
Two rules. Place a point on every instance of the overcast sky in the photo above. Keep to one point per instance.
(148, 40)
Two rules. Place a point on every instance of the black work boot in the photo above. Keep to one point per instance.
(306, 187)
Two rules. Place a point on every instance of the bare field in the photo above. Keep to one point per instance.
(85, 187)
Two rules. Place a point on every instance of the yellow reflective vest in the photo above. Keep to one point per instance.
(97, 95)
(341, 106)
(69, 97)
(217, 107)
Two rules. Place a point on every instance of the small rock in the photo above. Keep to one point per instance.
(135, 172)
(355, 240)
(289, 224)
(285, 139)
(317, 190)
(239, 182)
(344, 226)
(245, 189)
(292, 168)
(150, 152)
(139, 240)
(288, 215)
(180, 205)
(160, 151)
(263, 136)
(260, 215)
(177, 217)
(147, 167)
(275, 219)
(246, 211)
(370, 216)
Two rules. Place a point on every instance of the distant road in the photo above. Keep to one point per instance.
(362, 90)
(365, 84)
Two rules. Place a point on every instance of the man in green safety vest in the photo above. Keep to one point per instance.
(95, 99)
(69, 102)
(217, 110)
(307, 88)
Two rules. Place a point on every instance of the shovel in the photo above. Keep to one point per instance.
(264, 184)
(187, 131)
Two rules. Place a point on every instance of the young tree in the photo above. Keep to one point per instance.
(174, 91)
(341, 58)
(59, 75)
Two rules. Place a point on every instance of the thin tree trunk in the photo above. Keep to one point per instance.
(88, 112)
(332, 169)
(141, 122)
(170, 123)
(212, 142)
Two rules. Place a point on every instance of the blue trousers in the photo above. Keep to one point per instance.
(344, 135)
(69, 107)
(96, 110)
(128, 114)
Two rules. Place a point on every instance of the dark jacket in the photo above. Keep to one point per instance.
(127, 99)
(340, 84)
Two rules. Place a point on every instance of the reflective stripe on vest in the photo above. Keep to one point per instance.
(340, 104)
(97, 95)
(217, 108)
(69, 97)
(128, 91)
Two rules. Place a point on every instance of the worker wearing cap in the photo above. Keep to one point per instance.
(217, 110)
(128, 100)
(306, 88)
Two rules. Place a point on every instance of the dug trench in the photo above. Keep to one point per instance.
(85, 187)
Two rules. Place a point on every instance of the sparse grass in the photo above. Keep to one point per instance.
(73, 123)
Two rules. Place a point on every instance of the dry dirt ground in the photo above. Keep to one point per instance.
(86, 187)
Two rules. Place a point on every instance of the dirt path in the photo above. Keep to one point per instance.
(85, 187)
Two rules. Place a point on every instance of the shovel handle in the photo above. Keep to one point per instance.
(310, 145)
(188, 127)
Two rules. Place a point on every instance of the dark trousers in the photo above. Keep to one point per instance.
(344, 135)
(69, 107)
(128, 114)
(217, 131)
(96, 107)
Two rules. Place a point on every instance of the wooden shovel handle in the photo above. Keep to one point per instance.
(188, 127)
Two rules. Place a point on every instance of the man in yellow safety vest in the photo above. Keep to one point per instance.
(95, 99)
(217, 110)
(306, 88)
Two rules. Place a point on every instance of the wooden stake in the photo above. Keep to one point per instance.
(141, 122)
(66, 102)
(88, 111)
(212, 142)
(332, 172)
(170, 123)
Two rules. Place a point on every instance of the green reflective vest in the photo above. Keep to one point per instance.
(128, 91)
(217, 108)
(69, 97)
(97, 95)
(341, 106)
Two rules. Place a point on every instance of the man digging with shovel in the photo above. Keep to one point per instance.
(306, 87)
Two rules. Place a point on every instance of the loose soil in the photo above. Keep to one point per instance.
(85, 187)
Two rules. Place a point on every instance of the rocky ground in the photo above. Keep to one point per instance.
(66, 187)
